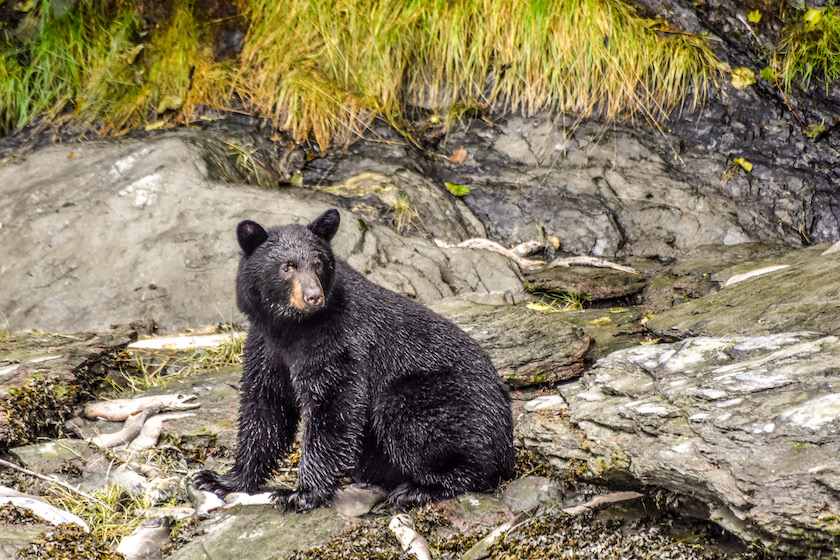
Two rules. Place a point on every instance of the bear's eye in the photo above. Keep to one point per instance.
(288, 265)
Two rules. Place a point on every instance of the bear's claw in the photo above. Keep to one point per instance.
(219, 484)
(288, 500)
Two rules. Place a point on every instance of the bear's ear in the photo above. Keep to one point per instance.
(250, 236)
(326, 224)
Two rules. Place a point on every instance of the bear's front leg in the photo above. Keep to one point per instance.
(268, 419)
(330, 449)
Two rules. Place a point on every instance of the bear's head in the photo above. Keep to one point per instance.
(286, 272)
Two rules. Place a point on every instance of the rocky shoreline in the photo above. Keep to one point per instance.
(700, 375)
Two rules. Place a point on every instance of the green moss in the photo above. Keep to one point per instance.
(324, 70)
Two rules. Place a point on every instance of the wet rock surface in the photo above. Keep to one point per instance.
(527, 347)
(747, 426)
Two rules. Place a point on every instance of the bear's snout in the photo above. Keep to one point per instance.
(307, 293)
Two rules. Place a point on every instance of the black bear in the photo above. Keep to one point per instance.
(390, 393)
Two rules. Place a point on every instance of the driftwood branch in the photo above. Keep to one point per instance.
(515, 255)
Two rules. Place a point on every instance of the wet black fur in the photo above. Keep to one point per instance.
(390, 393)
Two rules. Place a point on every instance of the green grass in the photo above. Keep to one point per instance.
(811, 47)
(559, 301)
(113, 515)
(144, 369)
(324, 69)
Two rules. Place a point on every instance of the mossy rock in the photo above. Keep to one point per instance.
(43, 377)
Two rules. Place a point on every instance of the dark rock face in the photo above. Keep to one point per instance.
(794, 176)
(602, 190)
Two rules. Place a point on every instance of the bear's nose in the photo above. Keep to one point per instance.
(314, 298)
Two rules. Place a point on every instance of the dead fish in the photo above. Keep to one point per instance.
(147, 540)
(40, 508)
(243, 499)
(563, 262)
(131, 429)
(612, 498)
(410, 540)
(178, 513)
(753, 273)
(146, 470)
(358, 499)
(488, 245)
(203, 502)
(150, 432)
(118, 410)
(128, 479)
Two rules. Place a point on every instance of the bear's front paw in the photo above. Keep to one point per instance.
(219, 484)
(288, 500)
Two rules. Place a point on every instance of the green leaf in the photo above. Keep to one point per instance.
(755, 16)
(768, 74)
(742, 78)
(813, 16)
(457, 190)
(813, 130)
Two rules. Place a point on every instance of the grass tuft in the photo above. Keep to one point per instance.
(811, 47)
(114, 514)
(146, 369)
(324, 69)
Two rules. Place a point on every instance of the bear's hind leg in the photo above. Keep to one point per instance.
(445, 436)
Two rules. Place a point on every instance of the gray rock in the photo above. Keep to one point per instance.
(526, 346)
(14, 537)
(601, 191)
(804, 296)
(596, 283)
(408, 202)
(747, 425)
(112, 232)
(259, 532)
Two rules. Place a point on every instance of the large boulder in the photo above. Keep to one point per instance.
(747, 426)
(142, 230)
